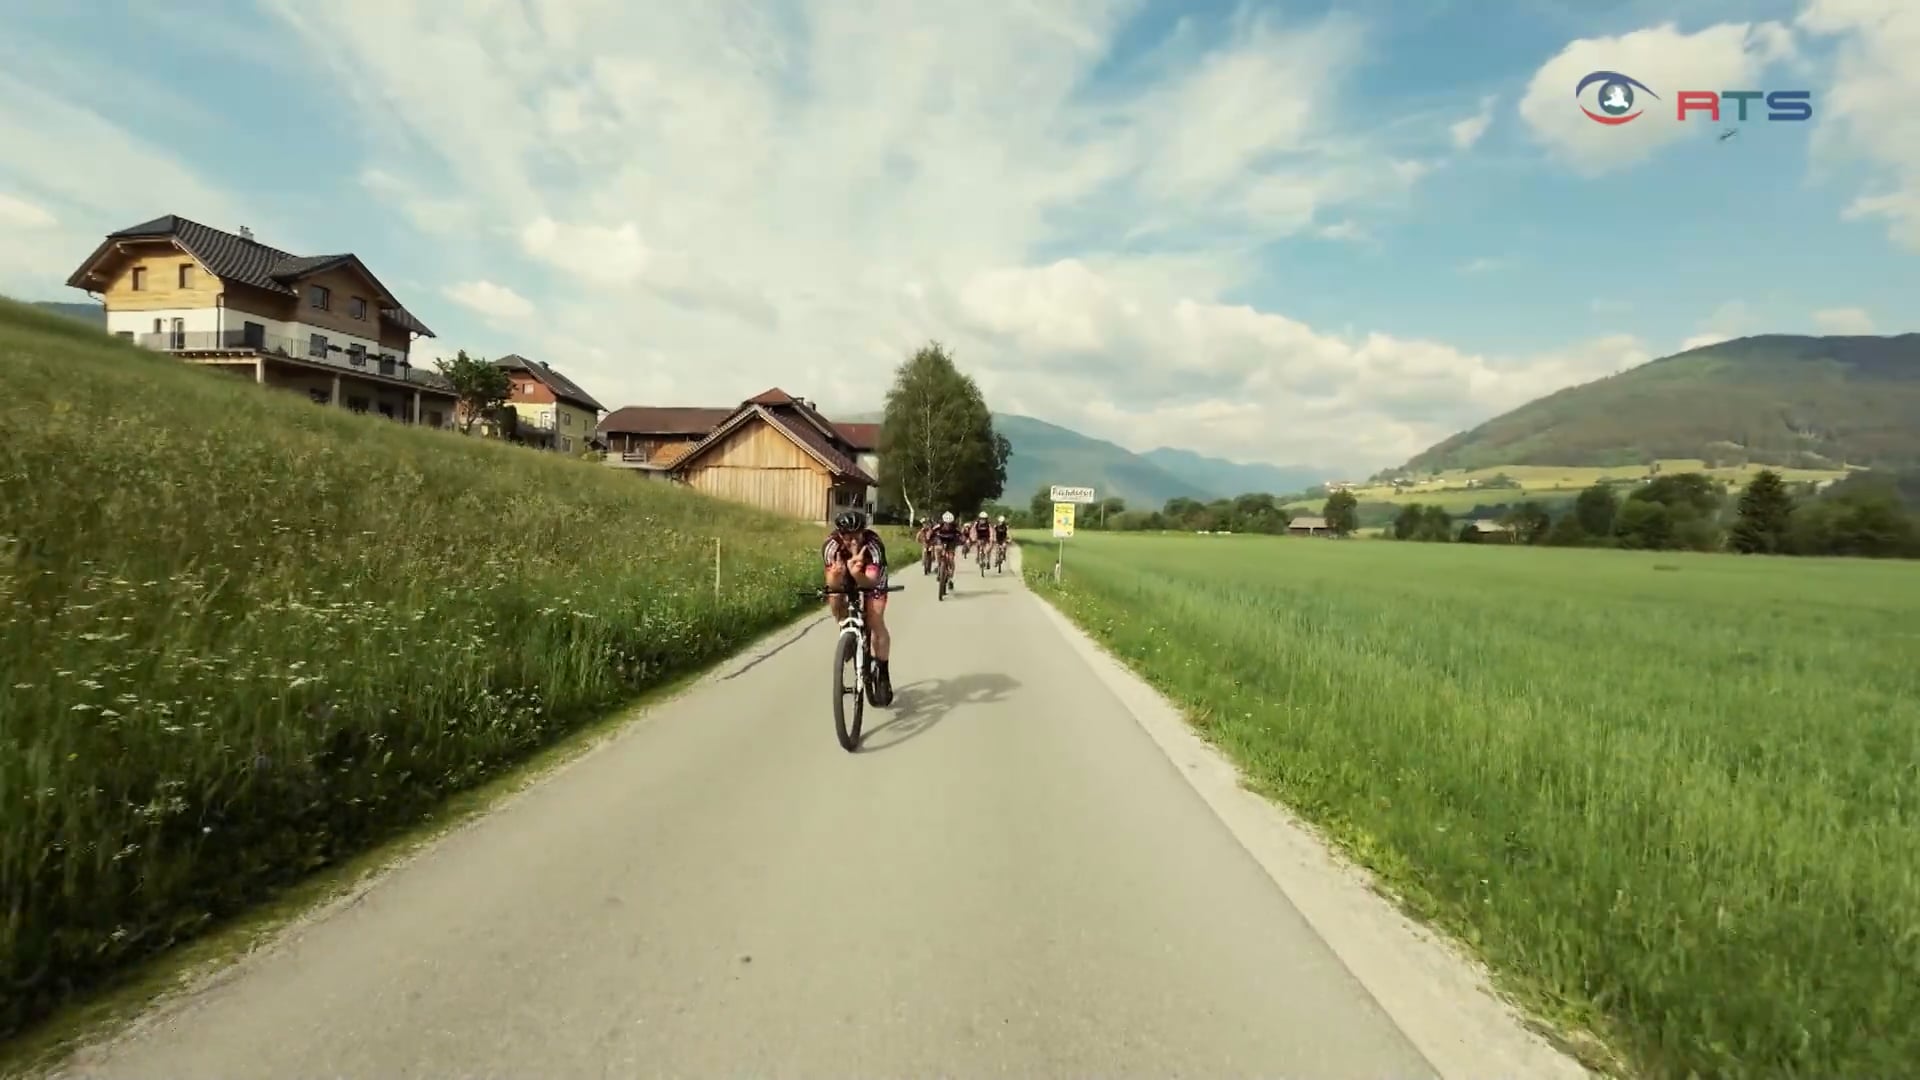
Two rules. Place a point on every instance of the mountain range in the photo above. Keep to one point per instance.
(1773, 399)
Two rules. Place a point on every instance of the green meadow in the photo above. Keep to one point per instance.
(1672, 799)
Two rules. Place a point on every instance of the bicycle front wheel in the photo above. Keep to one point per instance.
(847, 681)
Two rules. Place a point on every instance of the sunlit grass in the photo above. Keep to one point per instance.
(243, 635)
(1674, 798)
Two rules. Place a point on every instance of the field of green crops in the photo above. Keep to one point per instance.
(242, 635)
(1671, 799)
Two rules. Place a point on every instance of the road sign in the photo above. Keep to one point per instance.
(1063, 519)
(1080, 495)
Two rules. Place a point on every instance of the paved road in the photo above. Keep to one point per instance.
(1010, 878)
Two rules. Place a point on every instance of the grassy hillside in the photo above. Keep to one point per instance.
(1667, 796)
(1806, 402)
(245, 634)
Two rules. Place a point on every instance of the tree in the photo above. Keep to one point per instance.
(1689, 491)
(1342, 512)
(1595, 510)
(1529, 521)
(1438, 526)
(480, 387)
(1042, 503)
(938, 449)
(1407, 524)
(1567, 532)
(1764, 515)
(1644, 524)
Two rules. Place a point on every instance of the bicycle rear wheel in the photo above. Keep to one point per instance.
(847, 679)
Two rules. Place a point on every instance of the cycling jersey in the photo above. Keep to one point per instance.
(947, 535)
(999, 533)
(835, 551)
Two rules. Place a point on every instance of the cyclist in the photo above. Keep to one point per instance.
(982, 535)
(924, 537)
(945, 537)
(1001, 534)
(855, 555)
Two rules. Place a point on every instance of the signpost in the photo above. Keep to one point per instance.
(1064, 500)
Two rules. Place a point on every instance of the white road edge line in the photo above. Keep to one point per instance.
(1438, 996)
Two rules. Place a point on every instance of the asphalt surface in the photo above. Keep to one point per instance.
(1010, 878)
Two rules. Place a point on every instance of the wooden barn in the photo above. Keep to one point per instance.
(777, 453)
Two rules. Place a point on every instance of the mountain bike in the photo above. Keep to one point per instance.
(1000, 558)
(984, 556)
(946, 572)
(852, 651)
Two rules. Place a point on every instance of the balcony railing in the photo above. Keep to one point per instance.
(392, 365)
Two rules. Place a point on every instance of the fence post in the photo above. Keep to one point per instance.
(716, 569)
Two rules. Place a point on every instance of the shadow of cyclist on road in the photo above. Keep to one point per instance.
(919, 705)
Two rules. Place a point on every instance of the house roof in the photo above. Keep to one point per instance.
(790, 419)
(562, 387)
(660, 420)
(242, 261)
(862, 437)
(1307, 523)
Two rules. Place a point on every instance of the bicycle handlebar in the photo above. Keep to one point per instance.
(823, 591)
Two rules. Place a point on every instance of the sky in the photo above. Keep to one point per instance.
(1297, 233)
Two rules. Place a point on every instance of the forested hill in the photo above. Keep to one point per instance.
(1776, 399)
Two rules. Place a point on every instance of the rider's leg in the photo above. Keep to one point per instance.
(877, 630)
(837, 603)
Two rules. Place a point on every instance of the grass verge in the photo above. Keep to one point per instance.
(1669, 798)
(246, 637)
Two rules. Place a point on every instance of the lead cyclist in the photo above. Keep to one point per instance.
(855, 556)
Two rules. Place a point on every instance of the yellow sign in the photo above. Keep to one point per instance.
(1063, 519)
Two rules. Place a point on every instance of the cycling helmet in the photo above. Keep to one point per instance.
(1003, 519)
(947, 517)
(983, 515)
(850, 521)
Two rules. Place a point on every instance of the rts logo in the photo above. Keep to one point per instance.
(1617, 100)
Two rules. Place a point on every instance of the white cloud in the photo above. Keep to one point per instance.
(18, 213)
(1728, 321)
(699, 202)
(1850, 320)
(1467, 132)
(1867, 113)
(493, 302)
(1665, 60)
(1255, 385)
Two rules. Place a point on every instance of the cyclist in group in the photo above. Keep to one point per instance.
(945, 537)
(924, 537)
(982, 534)
(856, 556)
(1001, 534)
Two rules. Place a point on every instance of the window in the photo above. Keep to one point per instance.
(159, 326)
(357, 307)
(186, 275)
(357, 355)
(139, 279)
(566, 445)
(179, 338)
(357, 404)
(320, 397)
(317, 346)
(320, 297)
(386, 409)
(433, 418)
(566, 418)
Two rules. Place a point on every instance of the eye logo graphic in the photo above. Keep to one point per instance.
(1616, 97)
